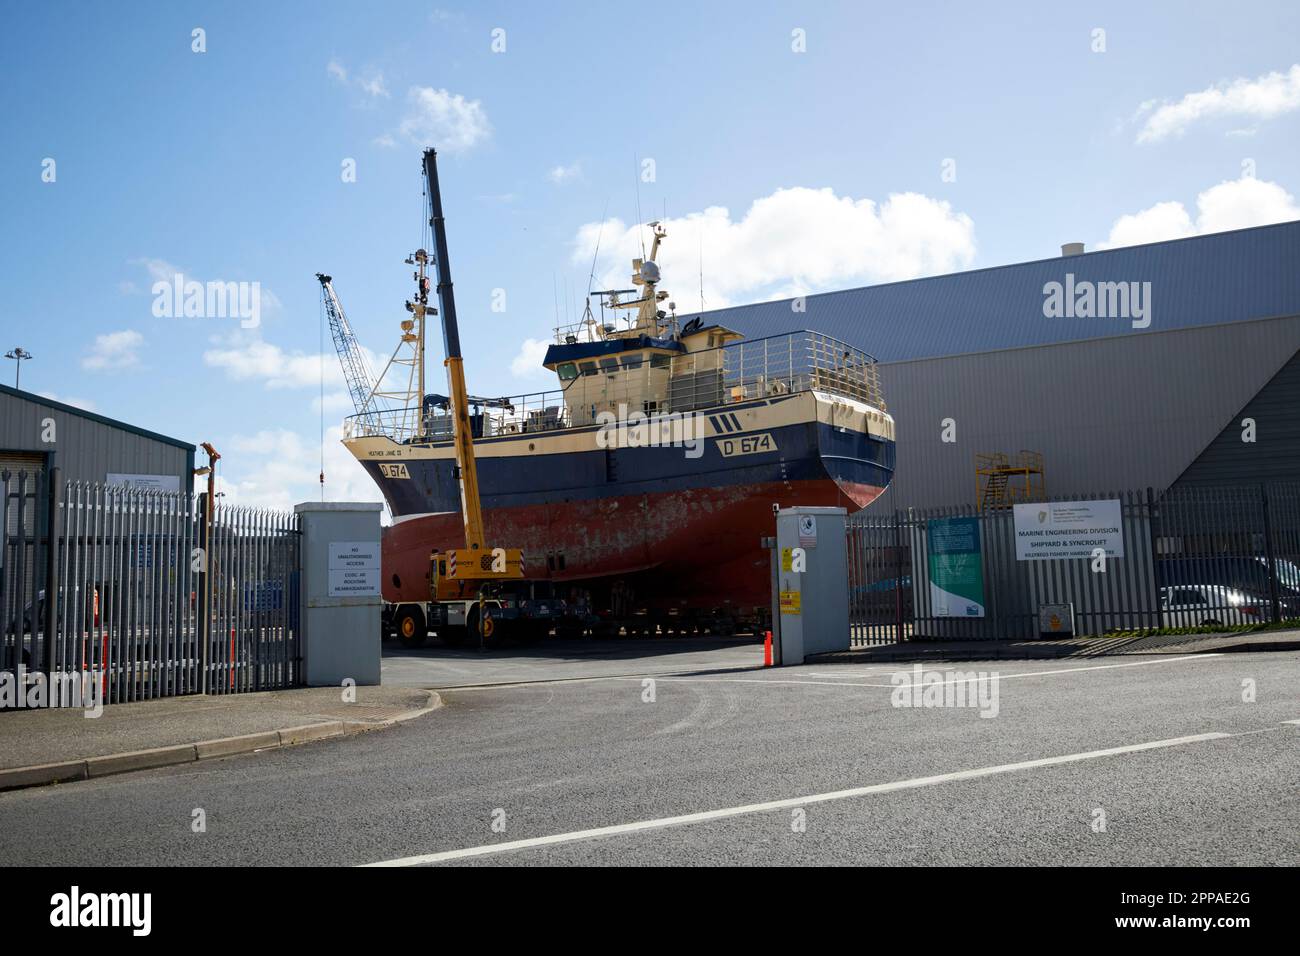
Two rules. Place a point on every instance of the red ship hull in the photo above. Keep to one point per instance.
(706, 541)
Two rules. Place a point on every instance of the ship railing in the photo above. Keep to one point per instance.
(772, 366)
(575, 332)
(521, 414)
(398, 423)
(740, 372)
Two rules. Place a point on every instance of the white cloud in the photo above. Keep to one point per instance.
(386, 141)
(563, 174)
(528, 362)
(793, 242)
(85, 403)
(1262, 98)
(1234, 204)
(246, 359)
(444, 120)
(256, 359)
(372, 84)
(160, 270)
(115, 350)
(1164, 220)
(280, 468)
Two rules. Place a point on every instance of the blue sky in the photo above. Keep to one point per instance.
(779, 172)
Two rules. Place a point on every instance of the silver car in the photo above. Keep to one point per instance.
(1211, 605)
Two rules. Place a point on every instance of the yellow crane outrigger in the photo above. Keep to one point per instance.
(460, 574)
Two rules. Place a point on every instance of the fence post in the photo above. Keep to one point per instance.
(1157, 576)
(51, 569)
(898, 580)
(1274, 602)
(204, 601)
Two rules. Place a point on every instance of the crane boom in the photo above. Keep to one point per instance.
(455, 363)
(356, 370)
(481, 566)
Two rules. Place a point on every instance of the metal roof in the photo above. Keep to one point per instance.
(1200, 281)
(93, 416)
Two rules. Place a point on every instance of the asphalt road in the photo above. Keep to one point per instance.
(437, 666)
(810, 765)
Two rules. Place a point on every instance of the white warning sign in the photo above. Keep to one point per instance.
(354, 568)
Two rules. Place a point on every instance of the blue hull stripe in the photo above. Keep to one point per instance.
(806, 451)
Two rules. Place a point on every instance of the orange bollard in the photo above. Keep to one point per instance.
(232, 658)
(103, 664)
(767, 650)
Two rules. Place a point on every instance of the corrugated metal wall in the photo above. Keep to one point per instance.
(1107, 413)
(1274, 455)
(1206, 280)
(88, 447)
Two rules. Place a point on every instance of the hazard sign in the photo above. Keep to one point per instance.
(807, 531)
(791, 602)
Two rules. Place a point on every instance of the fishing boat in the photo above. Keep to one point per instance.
(647, 478)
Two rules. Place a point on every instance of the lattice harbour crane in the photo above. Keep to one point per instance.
(356, 370)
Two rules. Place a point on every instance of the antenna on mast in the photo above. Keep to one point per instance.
(636, 164)
(701, 237)
(591, 277)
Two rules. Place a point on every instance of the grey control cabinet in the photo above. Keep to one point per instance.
(812, 604)
(340, 596)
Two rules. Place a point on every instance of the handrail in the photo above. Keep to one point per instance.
(748, 370)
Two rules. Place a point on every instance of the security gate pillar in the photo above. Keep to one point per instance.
(340, 592)
(812, 582)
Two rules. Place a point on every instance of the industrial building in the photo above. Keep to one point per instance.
(37, 433)
(1126, 369)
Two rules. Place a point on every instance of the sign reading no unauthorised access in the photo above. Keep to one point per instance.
(354, 568)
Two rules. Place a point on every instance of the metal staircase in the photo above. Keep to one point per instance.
(1001, 481)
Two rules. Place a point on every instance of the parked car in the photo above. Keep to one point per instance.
(1211, 605)
(1239, 573)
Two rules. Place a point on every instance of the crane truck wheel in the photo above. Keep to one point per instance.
(488, 633)
(412, 630)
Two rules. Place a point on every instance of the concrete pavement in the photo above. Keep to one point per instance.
(1187, 760)
(50, 745)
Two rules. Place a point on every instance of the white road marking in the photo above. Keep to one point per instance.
(702, 817)
(907, 670)
(1297, 722)
(1064, 670)
(751, 680)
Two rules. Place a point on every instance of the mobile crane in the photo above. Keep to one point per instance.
(461, 580)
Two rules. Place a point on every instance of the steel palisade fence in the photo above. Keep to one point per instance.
(128, 571)
(1195, 556)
